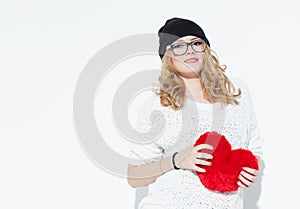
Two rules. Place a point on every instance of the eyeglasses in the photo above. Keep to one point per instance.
(180, 48)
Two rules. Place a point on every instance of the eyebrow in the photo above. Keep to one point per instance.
(179, 40)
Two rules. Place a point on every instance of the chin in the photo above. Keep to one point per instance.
(189, 75)
(193, 72)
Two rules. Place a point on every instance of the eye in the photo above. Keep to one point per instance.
(179, 45)
(198, 43)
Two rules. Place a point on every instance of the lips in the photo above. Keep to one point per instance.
(191, 60)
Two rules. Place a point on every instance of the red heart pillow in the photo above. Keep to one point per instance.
(227, 164)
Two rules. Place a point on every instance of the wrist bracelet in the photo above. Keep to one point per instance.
(173, 161)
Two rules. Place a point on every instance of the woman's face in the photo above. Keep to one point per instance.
(189, 64)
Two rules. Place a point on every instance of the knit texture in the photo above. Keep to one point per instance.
(182, 188)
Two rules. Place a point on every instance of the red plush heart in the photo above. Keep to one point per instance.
(227, 164)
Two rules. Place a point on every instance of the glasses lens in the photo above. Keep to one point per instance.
(179, 48)
(199, 46)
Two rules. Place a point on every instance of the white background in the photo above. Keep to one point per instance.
(44, 46)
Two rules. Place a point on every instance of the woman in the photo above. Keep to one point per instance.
(192, 83)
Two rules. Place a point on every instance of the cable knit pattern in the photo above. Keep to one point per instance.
(178, 130)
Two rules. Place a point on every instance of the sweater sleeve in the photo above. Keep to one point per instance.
(254, 136)
(146, 149)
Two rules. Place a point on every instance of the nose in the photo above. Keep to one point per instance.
(190, 49)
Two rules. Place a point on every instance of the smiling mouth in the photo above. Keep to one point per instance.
(192, 60)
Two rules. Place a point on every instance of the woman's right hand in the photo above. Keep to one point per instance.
(190, 159)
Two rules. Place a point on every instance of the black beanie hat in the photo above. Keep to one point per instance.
(175, 28)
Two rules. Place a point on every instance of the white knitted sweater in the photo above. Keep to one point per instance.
(182, 189)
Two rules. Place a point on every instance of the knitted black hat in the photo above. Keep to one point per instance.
(175, 28)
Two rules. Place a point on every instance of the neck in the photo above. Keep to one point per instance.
(193, 87)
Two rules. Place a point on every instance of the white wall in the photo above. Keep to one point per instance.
(45, 45)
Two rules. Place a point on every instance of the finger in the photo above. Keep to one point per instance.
(203, 155)
(251, 170)
(241, 185)
(202, 162)
(201, 170)
(204, 146)
(244, 180)
(248, 176)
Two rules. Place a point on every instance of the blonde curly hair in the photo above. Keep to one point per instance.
(216, 86)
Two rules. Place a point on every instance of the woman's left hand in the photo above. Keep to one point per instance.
(247, 177)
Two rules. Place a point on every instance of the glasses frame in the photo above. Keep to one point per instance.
(187, 44)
